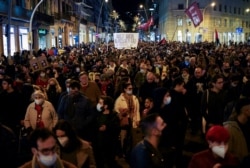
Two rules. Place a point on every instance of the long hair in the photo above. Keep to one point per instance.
(74, 140)
(57, 85)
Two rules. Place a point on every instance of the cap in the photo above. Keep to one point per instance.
(217, 133)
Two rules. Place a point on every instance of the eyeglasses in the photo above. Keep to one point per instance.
(47, 151)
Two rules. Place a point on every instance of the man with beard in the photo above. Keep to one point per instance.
(195, 89)
(146, 154)
(147, 87)
(76, 109)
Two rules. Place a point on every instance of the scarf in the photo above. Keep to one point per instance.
(39, 122)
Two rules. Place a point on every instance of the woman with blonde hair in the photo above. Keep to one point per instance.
(40, 113)
(53, 91)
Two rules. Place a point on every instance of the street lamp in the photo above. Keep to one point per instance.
(7, 28)
(30, 27)
(203, 14)
(100, 12)
(142, 7)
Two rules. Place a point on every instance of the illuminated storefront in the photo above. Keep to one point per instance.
(12, 41)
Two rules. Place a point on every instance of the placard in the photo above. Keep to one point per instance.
(38, 63)
(126, 40)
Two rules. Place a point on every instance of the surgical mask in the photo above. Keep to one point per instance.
(99, 107)
(47, 160)
(77, 69)
(219, 150)
(63, 140)
(42, 74)
(167, 100)
(38, 101)
(142, 71)
(234, 84)
(68, 89)
(129, 92)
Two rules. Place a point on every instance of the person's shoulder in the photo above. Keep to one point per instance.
(68, 164)
(26, 165)
(202, 154)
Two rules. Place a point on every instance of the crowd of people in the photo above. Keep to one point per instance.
(89, 106)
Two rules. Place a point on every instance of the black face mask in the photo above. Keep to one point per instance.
(52, 87)
(97, 80)
(227, 70)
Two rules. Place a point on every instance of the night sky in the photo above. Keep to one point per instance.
(125, 6)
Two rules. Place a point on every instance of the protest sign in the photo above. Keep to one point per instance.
(126, 40)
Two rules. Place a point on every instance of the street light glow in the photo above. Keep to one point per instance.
(141, 6)
(106, 0)
(213, 4)
(247, 10)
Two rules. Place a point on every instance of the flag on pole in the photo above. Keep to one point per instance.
(217, 37)
(146, 25)
(194, 13)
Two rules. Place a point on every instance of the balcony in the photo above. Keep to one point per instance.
(20, 13)
(3, 8)
(44, 18)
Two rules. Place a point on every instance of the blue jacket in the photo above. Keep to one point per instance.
(78, 111)
(144, 155)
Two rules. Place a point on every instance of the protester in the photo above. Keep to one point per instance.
(43, 147)
(146, 153)
(238, 127)
(127, 105)
(72, 148)
(217, 155)
(107, 133)
(40, 113)
(89, 89)
(77, 110)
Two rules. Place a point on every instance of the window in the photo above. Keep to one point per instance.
(235, 10)
(220, 6)
(180, 6)
(179, 22)
(225, 8)
(215, 8)
(239, 11)
(225, 22)
(231, 23)
(230, 9)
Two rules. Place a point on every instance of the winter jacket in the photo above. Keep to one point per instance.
(49, 116)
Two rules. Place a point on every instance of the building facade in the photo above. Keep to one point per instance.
(56, 23)
(231, 19)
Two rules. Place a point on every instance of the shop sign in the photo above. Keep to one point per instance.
(42, 31)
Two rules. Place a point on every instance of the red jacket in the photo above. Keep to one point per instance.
(206, 159)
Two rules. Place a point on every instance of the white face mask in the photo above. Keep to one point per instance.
(99, 107)
(77, 69)
(68, 89)
(129, 92)
(42, 74)
(167, 100)
(219, 150)
(142, 71)
(63, 140)
(47, 160)
(38, 101)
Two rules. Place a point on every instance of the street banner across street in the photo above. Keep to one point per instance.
(194, 13)
(126, 40)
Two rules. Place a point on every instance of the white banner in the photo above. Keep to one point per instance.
(126, 40)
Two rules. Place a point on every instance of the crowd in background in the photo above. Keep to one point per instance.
(96, 98)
